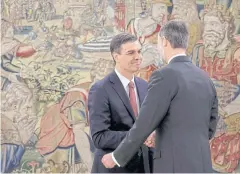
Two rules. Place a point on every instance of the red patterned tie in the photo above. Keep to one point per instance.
(132, 98)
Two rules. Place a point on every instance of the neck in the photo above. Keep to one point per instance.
(175, 52)
(126, 74)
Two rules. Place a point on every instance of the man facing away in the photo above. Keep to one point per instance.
(181, 105)
(114, 104)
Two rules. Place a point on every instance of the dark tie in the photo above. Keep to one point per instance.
(132, 98)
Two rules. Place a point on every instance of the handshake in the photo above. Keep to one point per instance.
(150, 141)
(108, 161)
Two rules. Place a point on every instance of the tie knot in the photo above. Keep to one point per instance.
(131, 84)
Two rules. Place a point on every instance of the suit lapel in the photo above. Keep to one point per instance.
(140, 91)
(119, 89)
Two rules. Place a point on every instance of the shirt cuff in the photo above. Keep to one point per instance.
(115, 160)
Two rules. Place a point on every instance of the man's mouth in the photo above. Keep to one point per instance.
(137, 64)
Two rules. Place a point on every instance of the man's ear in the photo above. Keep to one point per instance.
(115, 57)
(165, 42)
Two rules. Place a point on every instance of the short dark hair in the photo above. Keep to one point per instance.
(176, 33)
(119, 40)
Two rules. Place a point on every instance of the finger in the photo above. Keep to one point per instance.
(103, 160)
(147, 144)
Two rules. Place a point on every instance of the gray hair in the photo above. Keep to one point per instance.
(119, 40)
(176, 33)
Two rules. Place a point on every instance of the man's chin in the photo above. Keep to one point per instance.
(136, 69)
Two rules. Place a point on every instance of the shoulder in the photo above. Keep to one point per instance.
(141, 81)
(167, 75)
(168, 70)
(97, 92)
(100, 84)
(164, 79)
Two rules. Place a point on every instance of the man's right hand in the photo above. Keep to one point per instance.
(108, 161)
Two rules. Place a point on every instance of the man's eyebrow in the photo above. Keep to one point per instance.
(130, 51)
(134, 50)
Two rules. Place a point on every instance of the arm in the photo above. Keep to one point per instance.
(214, 116)
(153, 111)
(100, 120)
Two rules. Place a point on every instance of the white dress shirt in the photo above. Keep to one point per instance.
(175, 57)
(125, 83)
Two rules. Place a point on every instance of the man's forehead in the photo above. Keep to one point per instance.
(131, 46)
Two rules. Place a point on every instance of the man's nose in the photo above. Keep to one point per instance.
(138, 56)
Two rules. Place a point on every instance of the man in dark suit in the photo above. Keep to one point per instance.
(181, 105)
(114, 104)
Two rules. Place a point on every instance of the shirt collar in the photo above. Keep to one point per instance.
(123, 79)
(175, 57)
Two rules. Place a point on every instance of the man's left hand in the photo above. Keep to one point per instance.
(150, 142)
(108, 161)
